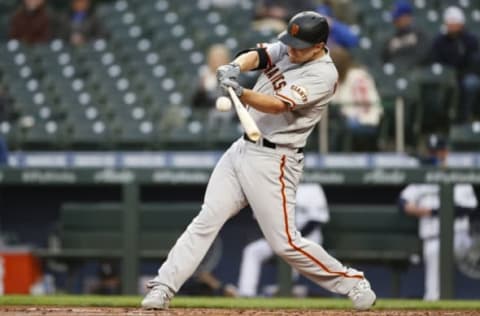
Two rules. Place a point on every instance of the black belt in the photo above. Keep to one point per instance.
(267, 143)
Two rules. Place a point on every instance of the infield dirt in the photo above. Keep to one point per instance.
(97, 311)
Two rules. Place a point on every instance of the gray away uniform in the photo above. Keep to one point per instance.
(267, 178)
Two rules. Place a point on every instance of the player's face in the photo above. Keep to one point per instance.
(300, 56)
(454, 28)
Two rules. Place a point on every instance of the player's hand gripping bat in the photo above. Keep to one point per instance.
(249, 125)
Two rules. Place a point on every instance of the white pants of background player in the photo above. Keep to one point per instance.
(254, 255)
(431, 257)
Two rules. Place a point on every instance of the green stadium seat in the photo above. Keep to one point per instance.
(438, 96)
(89, 135)
(392, 85)
(134, 134)
(185, 137)
(465, 137)
(11, 133)
(44, 134)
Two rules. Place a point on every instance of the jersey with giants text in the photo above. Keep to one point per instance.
(306, 88)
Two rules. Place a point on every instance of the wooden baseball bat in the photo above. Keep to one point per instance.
(249, 125)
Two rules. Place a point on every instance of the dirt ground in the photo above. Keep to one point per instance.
(97, 311)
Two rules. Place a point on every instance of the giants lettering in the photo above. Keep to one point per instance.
(277, 79)
(277, 85)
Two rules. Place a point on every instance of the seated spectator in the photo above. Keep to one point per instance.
(80, 24)
(458, 48)
(407, 46)
(6, 114)
(359, 100)
(340, 33)
(274, 14)
(207, 90)
(3, 152)
(31, 23)
(343, 10)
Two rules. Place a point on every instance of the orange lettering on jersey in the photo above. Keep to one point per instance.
(279, 84)
(276, 77)
(299, 92)
(271, 72)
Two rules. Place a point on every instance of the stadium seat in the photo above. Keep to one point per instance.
(134, 134)
(44, 134)
(465, 137)
(438, 97)
(92, 136)
(11, 134)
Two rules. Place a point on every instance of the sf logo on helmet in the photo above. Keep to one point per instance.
(294, 29)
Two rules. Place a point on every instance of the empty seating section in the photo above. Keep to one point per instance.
(120, 92)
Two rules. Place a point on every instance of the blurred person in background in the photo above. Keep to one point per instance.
(80, 24)
(343, 10)
(274, 14)
(458, 48)
(31, 23)
(207, 89)
(408, 46)
(3, 152)
(311, 211)
(359, 101)
(109, 282)
(341, 34)
(423, 202)
(6, 115)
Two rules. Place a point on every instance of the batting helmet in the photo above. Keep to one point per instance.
(305, 29)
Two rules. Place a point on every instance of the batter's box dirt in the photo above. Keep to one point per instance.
(97, 311)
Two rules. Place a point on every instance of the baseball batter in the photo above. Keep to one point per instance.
(311, 211)
(298, 81)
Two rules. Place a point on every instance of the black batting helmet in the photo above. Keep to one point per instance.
(305, 29)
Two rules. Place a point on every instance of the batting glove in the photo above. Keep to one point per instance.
(228, 71)
(230, 83)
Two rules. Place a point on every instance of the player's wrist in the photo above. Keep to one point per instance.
(236, 65)
(231, 83)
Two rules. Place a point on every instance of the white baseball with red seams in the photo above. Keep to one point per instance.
(223, 104)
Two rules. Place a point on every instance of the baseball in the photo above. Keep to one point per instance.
(223, 104)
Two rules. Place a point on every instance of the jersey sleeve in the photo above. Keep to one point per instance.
(307, 90)
(275, 51)
(410, 194)
(465, 196)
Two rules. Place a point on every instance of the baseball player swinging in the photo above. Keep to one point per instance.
(297, 82)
